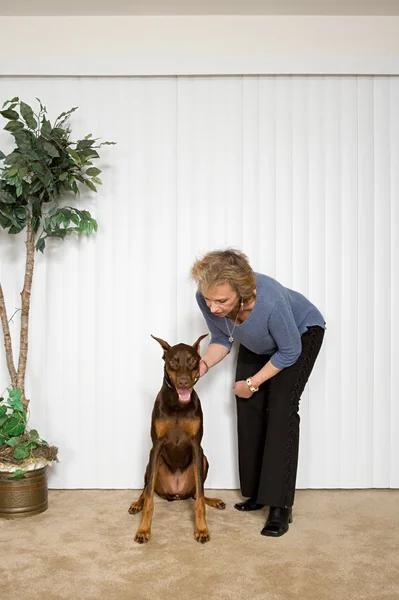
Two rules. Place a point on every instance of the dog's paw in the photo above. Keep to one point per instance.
(135, 508)
(142, 536)
(202, 535)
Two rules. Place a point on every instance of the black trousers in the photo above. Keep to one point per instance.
(268, 424)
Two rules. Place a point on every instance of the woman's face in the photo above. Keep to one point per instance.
(221, 299)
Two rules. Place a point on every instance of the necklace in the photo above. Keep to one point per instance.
(231, 339)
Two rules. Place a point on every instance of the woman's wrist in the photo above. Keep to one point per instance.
(205, 363)
(251, 384)
(203, 367)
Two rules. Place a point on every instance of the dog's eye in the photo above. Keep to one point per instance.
(173, 364)
(192, 363)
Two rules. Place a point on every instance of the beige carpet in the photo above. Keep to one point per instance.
(342, 545)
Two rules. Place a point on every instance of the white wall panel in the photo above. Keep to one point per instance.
(302, 173)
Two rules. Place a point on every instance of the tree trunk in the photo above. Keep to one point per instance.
(25, 296)
(7, 340)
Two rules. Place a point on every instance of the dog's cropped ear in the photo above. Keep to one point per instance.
(164, 344)
(197, 343)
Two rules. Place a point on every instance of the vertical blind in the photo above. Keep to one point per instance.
(302, 174)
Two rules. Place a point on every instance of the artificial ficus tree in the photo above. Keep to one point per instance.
(44, 167)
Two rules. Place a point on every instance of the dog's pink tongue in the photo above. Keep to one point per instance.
(184, 395)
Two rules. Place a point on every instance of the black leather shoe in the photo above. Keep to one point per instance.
(277, 521)
(248, 505)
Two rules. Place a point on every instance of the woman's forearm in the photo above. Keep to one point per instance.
(214, 354)
(266, 372)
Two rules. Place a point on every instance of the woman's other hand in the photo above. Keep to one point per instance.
(203, 368)
(241, 389)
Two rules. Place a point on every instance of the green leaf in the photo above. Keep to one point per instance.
(46, 127)
(20, 452)
(44, 443)
(51, 150)
(13, 171)
(14, 394)
(59, 133)
(27, 114)
(75, 187)
(74, 218)
(2, 155)
(86, 143)
(18, 474)
(16, 404)
(48, 179)
(97, 180)
(14, 126)
(17, 430)
(63, 176)
(65, 115)
(15, 229)
(91, 185)
(25, 139)
(10, 101)
(13, 427)
(9, 219)
(35, 186)
(43, 108)
(13, 441)
(13, 422)
(37, 167)
(74, 155)
(40, 244)
(9, 114)
(6, 197)
(93, 172)
(33, 434)
(89, 153)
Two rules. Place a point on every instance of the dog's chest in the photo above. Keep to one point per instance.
(177, 437)
(175, 429)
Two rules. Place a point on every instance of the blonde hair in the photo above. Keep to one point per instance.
(225, 266)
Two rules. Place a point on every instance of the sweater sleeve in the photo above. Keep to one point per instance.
(217, 335)
(285, 333)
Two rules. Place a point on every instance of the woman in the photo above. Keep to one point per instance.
(280, 334)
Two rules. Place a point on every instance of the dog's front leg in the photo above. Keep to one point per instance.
(144, 531)
(201, 532)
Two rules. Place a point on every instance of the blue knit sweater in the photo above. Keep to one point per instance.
(275, 325)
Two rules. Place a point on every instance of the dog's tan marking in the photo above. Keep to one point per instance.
(191, 426)
(162, 427)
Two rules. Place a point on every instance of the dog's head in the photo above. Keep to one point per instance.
(181, 366)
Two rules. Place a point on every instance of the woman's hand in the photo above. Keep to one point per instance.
(241, 389)
(203, 368)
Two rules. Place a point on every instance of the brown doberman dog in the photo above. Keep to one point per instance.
(177, 467)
